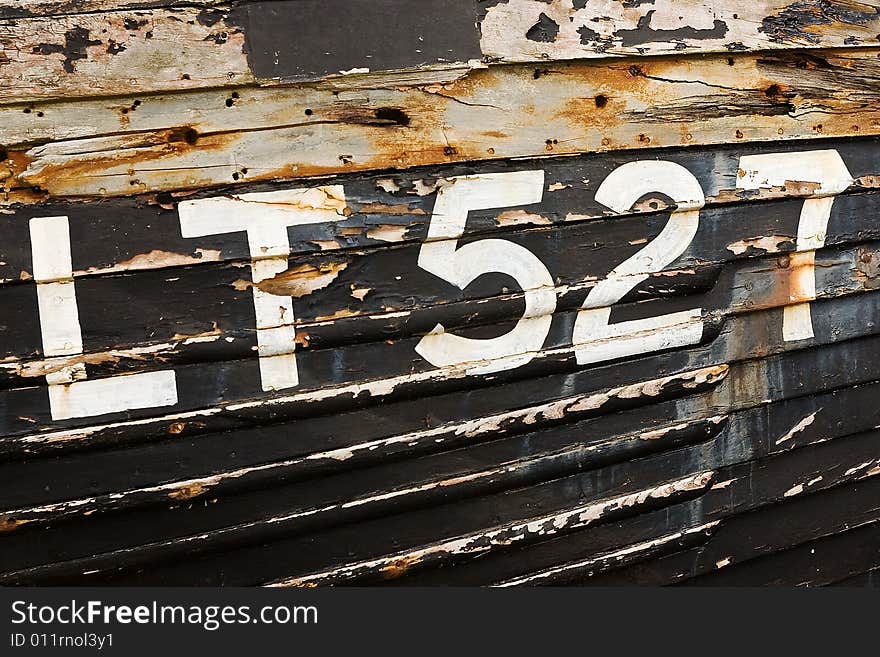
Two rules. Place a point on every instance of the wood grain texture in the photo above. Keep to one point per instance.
(530, 30)
(56, 49)
(495, 113)
(252, 332)
(45, 8)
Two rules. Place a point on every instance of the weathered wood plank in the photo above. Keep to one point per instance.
(49, 52)
(547, 450)
(138, 233)
(846, 367)
(817, 563)
(630, 363)
(206, 315)
(485, 115)
(226, 393)
(783, 426)
(416, 525)
(44, 8)
(385, 368)
(659, 547)
(870, 579)
(485, 540)
(519, 30)
(832, 460)
(140, 312)
(348, 494)
(102, 54)
(767, 530)
(354, 484)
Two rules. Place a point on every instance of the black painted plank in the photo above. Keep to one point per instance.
(109, 233)
(741, 538)
(813, 564)
(752, 484)
(771, 429)
(313, 38)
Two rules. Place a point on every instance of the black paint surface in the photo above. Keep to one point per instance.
(310, 38)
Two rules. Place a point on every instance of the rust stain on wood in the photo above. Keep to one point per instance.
(657, 102)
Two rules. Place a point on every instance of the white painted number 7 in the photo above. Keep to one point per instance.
(777, 170)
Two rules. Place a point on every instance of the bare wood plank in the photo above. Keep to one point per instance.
(519, 30)
(576, 107)
(100, 54)
(48, 55)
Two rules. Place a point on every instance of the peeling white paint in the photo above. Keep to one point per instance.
(461, 265)
(797, 428)
(825, 175)
(70, 394)
(265, 217)
(642, 548)
(794, 490)
(485, 541)
(595, 339)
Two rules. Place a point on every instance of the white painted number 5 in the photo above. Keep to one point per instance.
(441, 256)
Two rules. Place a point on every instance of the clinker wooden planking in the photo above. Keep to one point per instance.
(133, 145)
(688, 398)
(717, 391)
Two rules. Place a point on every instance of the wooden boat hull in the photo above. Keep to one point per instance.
(514, 308)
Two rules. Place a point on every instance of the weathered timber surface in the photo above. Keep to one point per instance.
(61, 49)
(149, 299)
(731, 446)
(131, 145)
(120, 235)
(507, 293)
(37, 8)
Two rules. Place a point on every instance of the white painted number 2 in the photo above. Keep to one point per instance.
(595, 340)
